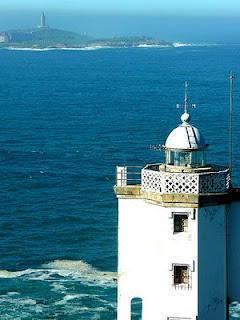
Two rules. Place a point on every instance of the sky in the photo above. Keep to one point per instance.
(172, 20)
(163, 7)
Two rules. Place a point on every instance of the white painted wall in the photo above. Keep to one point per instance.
(2, 38)
(147, 249)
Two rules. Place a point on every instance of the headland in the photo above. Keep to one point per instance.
(44, 37)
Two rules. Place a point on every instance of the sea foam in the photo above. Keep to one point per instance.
(15, 274)
(93, 48)
(81, 270)
(185, 44)
(145, 45)
(234, 310)
(69, 269)
(57, 49)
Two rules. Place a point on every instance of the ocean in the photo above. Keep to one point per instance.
(67, 118)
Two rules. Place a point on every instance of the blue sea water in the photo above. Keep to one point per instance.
(67, 118)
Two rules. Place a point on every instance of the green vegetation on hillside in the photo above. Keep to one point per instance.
(45, 37)
(54, 38)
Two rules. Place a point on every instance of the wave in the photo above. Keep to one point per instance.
(85, 48)
(71, 269)
(66, 288)
(185, 44)
(145, 45)
(69, 306)
(28, 49)
(83, 271)
(182, 44)
(57, 49)
(15, 274)
(234, 310)
(93, 48)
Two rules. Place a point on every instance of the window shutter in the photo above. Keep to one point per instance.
(185, 277)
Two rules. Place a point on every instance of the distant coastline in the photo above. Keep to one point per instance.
(94, 48)
(48, 38)
(44, 38)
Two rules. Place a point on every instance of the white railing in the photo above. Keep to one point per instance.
(187, 183)
(128, 175)
(153, 180)
(214, 182)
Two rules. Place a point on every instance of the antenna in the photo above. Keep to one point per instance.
(232, 77)
(186, 100)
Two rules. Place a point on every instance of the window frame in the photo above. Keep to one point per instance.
(179, 214)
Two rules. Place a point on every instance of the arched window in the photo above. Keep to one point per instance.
(136, 309)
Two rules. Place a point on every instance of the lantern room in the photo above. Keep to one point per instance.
(185, 146)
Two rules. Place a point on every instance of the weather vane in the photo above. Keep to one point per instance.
(186, 105)
(159, 147)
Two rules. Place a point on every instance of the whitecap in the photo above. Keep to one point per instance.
(68, 270)
(68, 298)
(78, 269)
(19, 301)
(97, 309)
(182, 44)
(58, 287)
(145, 45)
(90, 48)
(27, 301)
(87, 48)
(28, 49)
(14, 274)
(186, 44)
(12, 293)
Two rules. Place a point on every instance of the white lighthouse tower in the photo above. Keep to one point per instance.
(42, 21)
(172, 236)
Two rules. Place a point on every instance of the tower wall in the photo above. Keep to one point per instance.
(212, 263)
(173, 245)
(233, 214)
(148, 248)
(43, 21)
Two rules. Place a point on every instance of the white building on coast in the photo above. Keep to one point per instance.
(178, 234)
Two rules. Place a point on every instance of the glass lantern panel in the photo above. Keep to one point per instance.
(186, 158)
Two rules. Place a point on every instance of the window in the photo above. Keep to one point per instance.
(191, 159)
(180, 223)
(136, 309)
(181, 275)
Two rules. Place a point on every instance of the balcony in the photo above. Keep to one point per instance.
(157, 180)
(153, 178)
(161, 184)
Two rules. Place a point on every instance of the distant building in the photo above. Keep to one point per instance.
(43, 21)
(4, 37)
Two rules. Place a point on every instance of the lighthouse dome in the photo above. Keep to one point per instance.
(185, 137)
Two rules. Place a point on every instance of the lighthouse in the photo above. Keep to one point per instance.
(42, 21)
(177, 233)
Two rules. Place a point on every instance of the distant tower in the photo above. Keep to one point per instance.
(173, 250)
(43, 21)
